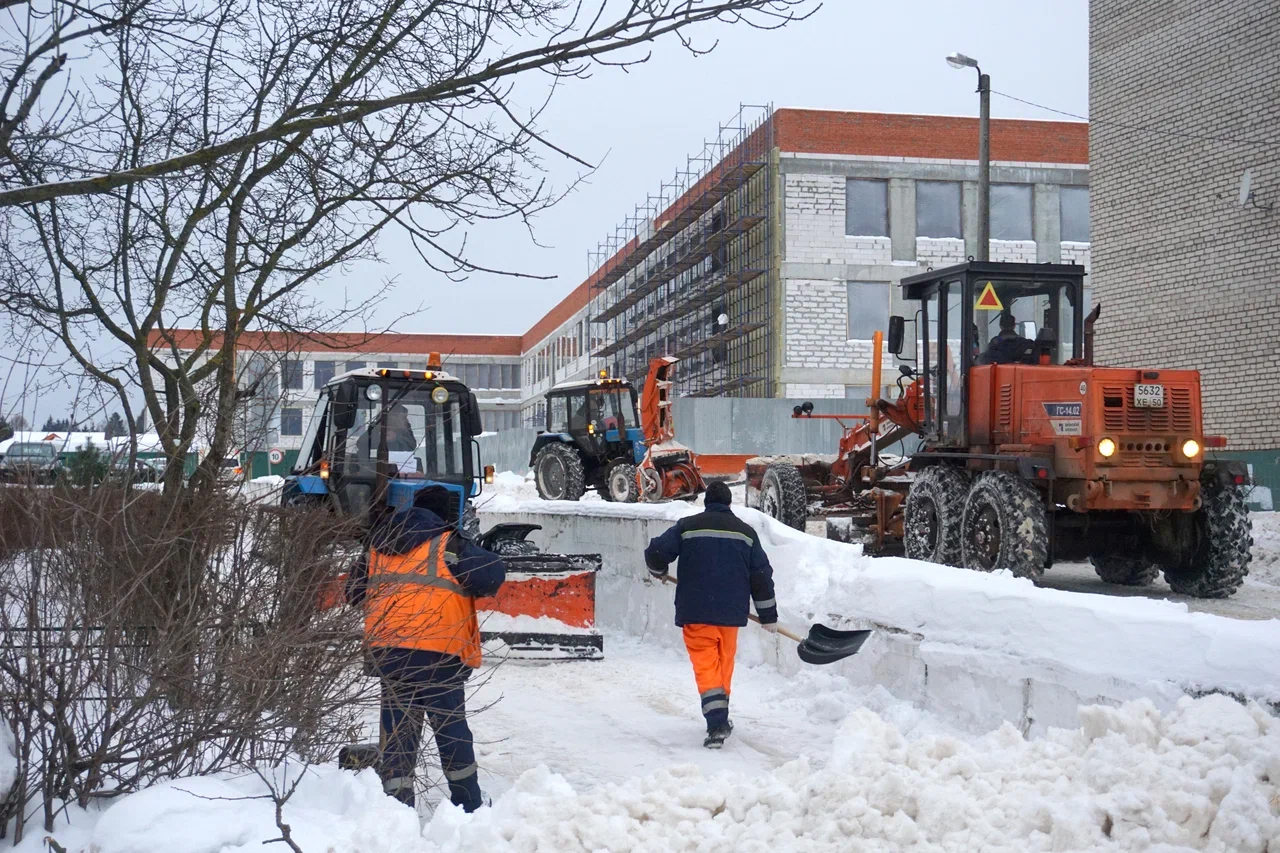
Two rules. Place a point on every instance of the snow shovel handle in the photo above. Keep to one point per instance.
(756, 619)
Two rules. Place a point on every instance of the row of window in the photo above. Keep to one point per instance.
(569, 346)
(938, 210)
(482, 376)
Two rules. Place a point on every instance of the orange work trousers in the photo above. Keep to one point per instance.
(711, 649)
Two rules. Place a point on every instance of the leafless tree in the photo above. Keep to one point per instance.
(210, 160)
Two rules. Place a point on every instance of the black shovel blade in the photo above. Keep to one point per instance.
(358, 756)
(827, 645)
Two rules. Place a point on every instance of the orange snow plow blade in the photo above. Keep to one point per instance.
(723, 464)
(546, 610)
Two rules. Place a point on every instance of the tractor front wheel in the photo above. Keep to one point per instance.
(1004, 526)
(620, 483)
(1224, 537)
(558, 473)
(932, 515)
(782, 495)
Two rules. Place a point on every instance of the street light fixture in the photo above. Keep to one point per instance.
(959, 60)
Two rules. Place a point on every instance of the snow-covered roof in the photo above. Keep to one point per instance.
(611, 382)
(392, 373)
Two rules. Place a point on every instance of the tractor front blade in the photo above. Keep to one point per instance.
(545, 611)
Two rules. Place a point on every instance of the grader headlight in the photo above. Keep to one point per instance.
(1107, 448)
(1191, 448)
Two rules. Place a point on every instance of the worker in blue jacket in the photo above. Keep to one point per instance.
(418, 584)
(723, 570)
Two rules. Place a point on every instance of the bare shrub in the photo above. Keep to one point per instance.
(147, 638)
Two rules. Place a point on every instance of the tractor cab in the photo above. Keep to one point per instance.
(982, 313)
(592, 439)
(380, 435)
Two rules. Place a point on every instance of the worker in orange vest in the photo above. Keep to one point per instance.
(418, 583)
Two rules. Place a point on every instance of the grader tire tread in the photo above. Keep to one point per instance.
(1023, 546)
(938, 491)
(1224, 554)
(791, 500)
(1125, 571)
(575, 475)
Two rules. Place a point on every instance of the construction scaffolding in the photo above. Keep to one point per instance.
(690, 274)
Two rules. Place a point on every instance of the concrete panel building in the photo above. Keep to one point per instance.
(1184, 98)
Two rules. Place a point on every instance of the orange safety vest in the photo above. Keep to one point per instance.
(414, 602)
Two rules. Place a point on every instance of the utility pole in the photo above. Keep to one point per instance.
(959, 60)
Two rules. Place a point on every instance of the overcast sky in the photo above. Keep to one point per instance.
(639, 125)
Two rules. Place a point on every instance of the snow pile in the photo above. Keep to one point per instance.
(1265, 565)
(1200, 778)
(330, 810)
(491, 621)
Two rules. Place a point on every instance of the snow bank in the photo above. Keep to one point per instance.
(1200, 778)
(977, 649)
(1265, 566)
(330, 810)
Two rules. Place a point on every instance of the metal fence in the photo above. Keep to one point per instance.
(711, 425)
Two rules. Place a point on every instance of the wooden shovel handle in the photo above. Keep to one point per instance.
(756, 619)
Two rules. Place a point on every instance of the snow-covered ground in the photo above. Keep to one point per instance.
(607, 755)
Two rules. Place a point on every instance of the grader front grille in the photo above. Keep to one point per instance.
(1120, 415)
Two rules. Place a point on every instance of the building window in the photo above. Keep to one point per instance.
(352, 365)
(868, 309)
(291, 374)
(866, 208)
(389, 365)
(324, 372)
(1073, 203)
(290, 421)
(938, 209)
(1010, 211)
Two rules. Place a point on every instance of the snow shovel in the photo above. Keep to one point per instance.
(823, 645)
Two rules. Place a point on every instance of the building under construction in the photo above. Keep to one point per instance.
(770, 258)
(691, 272)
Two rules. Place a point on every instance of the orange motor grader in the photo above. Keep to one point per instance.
(1025, 452)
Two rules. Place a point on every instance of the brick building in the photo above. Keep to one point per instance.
(1185, 98)
(291, 371)
(767, 264)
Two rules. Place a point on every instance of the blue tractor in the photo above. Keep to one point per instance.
(379, 436)
(593, 439)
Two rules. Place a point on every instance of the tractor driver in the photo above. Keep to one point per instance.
(1008, 347)
(400, 436)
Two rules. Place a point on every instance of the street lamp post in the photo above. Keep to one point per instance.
(959, 60)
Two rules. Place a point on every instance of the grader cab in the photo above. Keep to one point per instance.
(1028, 454)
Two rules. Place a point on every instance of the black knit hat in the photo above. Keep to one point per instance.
(717, 493)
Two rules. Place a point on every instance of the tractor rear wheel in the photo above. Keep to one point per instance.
(932, 514)
(1224, 537)
(1004, 526)
(1124, 570)
(558, 473)
(782, 495)
(620, 484)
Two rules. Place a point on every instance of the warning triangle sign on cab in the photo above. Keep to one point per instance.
(988, 300)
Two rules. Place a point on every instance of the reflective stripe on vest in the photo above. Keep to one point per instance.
(414, 602)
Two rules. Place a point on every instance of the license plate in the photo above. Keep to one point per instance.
(1148, 396)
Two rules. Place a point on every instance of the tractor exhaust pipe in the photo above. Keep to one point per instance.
(1088, 333)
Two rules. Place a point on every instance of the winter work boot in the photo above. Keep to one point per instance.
(715, 737)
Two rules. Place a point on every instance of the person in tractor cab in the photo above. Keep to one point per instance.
(722, 570)
(418, 583)
(400, 437)
(1008, 347)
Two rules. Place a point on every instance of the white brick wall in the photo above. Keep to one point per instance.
(815, 225)
(814, 392)
(817, 327)
(1014, 251)
(938, 252)
(1077, 253)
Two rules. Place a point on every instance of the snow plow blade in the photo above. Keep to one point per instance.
(545, 611)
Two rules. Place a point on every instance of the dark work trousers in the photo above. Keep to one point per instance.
(404, 704)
